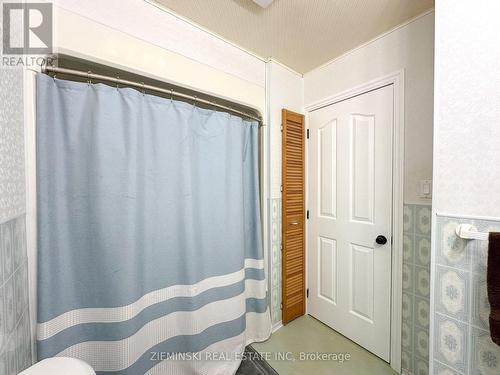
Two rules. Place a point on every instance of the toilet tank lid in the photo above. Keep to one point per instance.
(59, 366)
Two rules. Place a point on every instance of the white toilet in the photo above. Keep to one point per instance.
(59, 366)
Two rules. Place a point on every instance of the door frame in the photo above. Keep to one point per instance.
(397, 80)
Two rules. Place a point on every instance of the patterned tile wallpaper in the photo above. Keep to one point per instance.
(275, 259)
(12, 182)
(416, 288)
(15, 336)
(462, 344)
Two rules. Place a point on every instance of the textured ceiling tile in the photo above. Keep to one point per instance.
(302, 34)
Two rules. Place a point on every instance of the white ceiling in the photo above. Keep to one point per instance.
(302, 34)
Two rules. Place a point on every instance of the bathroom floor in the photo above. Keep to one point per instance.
(308, 335)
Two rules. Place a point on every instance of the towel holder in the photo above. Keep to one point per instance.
(469, 232)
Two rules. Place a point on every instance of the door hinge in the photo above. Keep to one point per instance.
(307, 293)
(281, 128)
(281, 306)
(281, 247)
(307, 214)
(307, 133)
(281, 188)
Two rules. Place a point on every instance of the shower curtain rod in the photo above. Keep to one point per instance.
(141, 85)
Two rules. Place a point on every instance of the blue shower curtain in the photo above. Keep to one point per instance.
(150, 256)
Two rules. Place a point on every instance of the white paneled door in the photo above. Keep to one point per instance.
(350, 204)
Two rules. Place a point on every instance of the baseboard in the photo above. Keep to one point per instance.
(277, 326)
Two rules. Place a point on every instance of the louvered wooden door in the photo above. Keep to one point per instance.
(293, 215)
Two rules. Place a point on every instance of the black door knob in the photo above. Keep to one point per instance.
(381, 240)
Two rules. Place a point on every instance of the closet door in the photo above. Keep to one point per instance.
(293, 215)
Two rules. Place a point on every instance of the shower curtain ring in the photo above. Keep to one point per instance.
(117, 82)
(89, 81)
(195, 101)
(171, 95)
(143, 89)
(54, 77)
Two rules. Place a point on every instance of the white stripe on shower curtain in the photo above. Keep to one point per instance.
(149, 232)
(119, 314)
(232, 346)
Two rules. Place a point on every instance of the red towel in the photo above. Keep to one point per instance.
(494, 285)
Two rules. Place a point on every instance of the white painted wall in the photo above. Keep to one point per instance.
(144, 21)
(467, 119)
(135, 46)
(285, 90)
(409, 47)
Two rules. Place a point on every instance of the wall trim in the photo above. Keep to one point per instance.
(428, 202)
(467, 217)
(13, 217)
(265, 176)
(397, 80)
